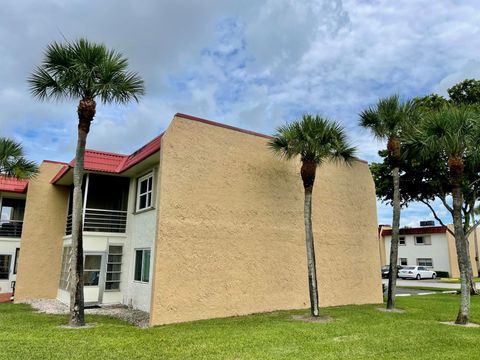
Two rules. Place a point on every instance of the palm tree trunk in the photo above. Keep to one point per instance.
(312, 271)
(462, 256)
(308, 176)
(392, 276)
(86, 112)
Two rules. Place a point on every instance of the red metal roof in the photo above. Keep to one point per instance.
(10, 184)
(141, 154)
(102, 161)
(418, 230)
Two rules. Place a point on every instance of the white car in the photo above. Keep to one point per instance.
(416, 272)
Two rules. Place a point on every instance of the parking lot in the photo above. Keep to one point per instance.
(407, 287)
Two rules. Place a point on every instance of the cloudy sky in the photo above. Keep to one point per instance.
(255, 64)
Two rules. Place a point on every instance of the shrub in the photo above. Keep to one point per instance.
(443, 274)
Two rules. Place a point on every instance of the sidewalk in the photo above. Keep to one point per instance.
(425, 284)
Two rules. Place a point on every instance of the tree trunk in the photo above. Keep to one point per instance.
(308, 177)
(392, 276)
(86, 112)
(462, 256)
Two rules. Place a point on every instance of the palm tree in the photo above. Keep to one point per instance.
(86, 71)
(452, 133)
(387, 121)
(13, 162)
(315, 140)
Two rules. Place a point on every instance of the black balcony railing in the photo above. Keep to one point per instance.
(11, 228)
(99, 220)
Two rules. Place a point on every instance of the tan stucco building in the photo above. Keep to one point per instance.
(204, 221)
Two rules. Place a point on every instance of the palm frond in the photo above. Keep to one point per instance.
(82, 69)
(312, 138)
(390, 117)
(450, 131)
(12, 160)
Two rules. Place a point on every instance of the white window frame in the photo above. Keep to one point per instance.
(404, 241)
(148, 192)
(9, 266)
(421, 260)
(143, 250)
(427, 240)
(119, 281)
(65, 268)
(400, 261)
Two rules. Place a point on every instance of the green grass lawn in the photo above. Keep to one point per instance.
(357, 332)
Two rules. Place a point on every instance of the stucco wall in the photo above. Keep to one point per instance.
(42, 236)
(141, 231)
(230, 237)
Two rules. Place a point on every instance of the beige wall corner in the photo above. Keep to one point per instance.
(381, 245)
(455, 272)
(230, 235)
(41, 242)
(452, 253)
(471, 241)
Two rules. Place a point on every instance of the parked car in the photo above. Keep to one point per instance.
(386, 270)
(416, 272)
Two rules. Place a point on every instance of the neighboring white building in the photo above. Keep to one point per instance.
(431, 246)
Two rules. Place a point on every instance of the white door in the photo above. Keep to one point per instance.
(93, 278)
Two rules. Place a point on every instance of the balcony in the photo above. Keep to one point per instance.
(11, 217)
(11, 228)
(104, 204)
(99, 220)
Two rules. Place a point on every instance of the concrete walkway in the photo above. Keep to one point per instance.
(426, 283)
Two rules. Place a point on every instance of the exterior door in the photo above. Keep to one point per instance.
(93, 277)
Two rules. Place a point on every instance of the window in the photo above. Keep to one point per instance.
(401, 241)
(423, 240)
(114, 268)
(5, 266)
(15, 264)
(91, 272)
(403, 261)
(425, 262)
(142, 265)
(145, 192)
(65, 270)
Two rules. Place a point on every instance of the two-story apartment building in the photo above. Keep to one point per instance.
(12, 207)
(203, 221)
(431, 246)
